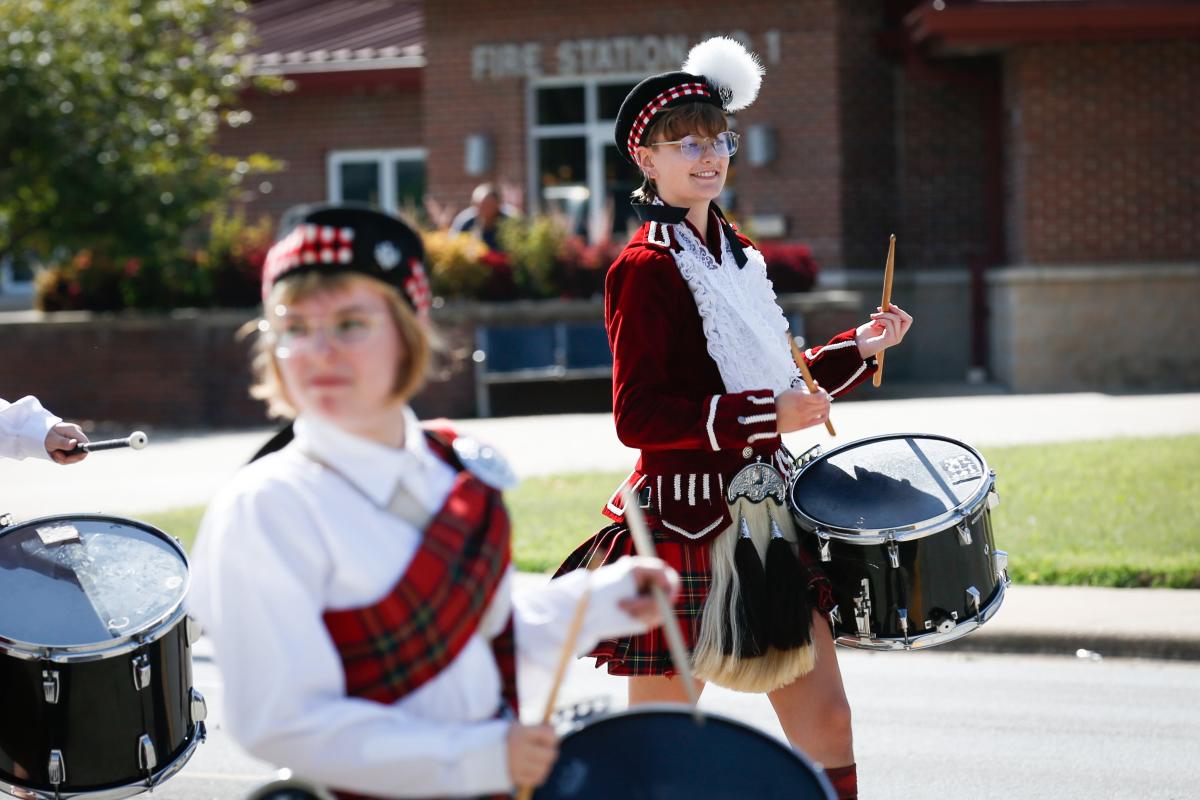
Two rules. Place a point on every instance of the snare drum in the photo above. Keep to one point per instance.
(902, 525)
(662, 753)
(95, 658)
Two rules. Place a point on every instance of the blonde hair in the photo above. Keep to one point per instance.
(416, 352)
(675, 123)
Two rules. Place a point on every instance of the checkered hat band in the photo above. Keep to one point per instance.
(658, 104)
(307, 244)
(416, 286)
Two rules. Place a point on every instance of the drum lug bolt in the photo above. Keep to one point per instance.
(50, 685)
(964, 533)
(147, 758)
(5, 520)
(823, 546)
(198, 706)
(57, 768)
(902, 616)
(894, 553)
(141, 672)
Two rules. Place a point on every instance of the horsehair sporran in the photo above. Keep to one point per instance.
(773, 669)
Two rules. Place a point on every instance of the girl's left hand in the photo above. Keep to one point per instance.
(886, 329)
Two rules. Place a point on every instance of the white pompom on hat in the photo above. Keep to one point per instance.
(718, 71)
(730, 68)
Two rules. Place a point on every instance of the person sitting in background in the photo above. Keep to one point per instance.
(27, 430)
(482, 218)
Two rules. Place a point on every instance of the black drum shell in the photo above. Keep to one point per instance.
(99, 718)
(930, 582)
(100, 714)
(879, 501)
(661, 753)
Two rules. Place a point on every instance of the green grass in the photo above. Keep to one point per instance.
(1122, 512)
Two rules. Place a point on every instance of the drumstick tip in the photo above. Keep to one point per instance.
(138, 440)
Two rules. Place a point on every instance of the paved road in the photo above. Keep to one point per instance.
(927, 725)
(180, 469)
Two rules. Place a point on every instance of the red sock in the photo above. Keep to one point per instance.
(845, 781)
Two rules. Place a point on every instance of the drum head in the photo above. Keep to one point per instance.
(79, 581)
(889, 482)
(663, 754)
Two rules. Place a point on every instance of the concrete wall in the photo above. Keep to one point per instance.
(1108, 328)
(188, 369)
(938, 347)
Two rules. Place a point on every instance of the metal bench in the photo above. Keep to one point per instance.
(548, 351)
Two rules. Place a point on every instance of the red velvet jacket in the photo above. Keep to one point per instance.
(669, 400)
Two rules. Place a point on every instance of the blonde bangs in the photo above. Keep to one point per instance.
(701, 119)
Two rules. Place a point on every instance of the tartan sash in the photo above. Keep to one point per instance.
(391, 648)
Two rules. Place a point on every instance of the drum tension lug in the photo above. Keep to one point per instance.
(973, 600)
(964, 533)
(147, 758)
(141, 672)
(5, 520)
(56, 769)
(197, 706)
(1000, 560)
(902, 616)
(51, 685)
(893, 553)
(823, 546)
(862, 610)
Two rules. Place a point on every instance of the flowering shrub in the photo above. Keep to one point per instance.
(222, 268)
(221, 271)
(790, 267)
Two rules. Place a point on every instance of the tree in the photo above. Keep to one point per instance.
(109, 114)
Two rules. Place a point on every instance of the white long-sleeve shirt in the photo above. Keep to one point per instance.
(289, 539)
(23, 428)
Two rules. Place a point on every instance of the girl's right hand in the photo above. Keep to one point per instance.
(532, 750)
(796, 409)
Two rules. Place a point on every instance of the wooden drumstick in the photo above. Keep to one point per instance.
(564, 658)
(808, 378)
(644, 544)
(135, 441)
(886, 305)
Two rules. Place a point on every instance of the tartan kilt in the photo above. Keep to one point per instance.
(646, 653)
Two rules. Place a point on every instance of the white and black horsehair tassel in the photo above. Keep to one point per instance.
(751, 604)
(788, 625)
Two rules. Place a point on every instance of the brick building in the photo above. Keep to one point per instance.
(1038, 160)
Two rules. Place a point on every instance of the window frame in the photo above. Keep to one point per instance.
(385, 171)
(597, 132)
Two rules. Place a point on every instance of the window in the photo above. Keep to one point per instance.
(393, 180)
(575, 169)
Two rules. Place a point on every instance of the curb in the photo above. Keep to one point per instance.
(1106, 645)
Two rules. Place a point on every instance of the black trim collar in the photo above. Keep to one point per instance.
(673, 215)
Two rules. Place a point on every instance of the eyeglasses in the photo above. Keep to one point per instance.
(292, 334)
(724, 145)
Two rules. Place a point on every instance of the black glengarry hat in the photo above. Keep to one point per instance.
(718, 71)
(350, 238)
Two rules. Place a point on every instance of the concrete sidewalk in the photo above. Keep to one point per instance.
(182, 469)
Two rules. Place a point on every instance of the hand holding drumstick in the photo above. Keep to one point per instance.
(887, 326)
